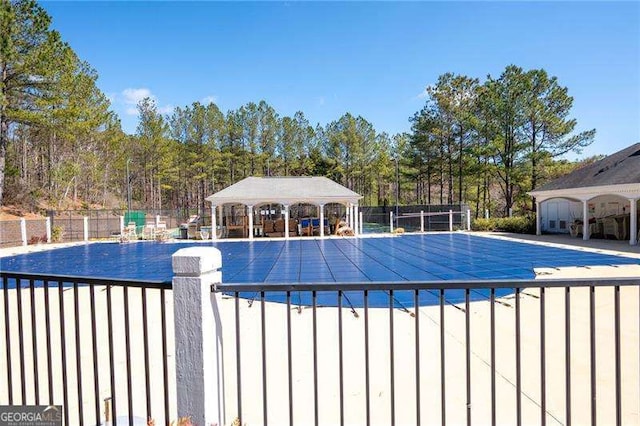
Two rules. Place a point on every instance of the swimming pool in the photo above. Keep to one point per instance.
(417, 257)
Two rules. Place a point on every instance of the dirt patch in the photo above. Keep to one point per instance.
(14, 213)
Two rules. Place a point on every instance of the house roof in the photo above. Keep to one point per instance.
(618, 173)
(620, 168)
(284, 190)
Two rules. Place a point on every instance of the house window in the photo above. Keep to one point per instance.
(552, 224)
(563, 224)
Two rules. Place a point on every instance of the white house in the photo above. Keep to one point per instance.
(605, 195)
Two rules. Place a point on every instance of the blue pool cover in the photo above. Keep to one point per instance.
(420, 257)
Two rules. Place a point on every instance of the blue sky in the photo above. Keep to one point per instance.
(372, 59)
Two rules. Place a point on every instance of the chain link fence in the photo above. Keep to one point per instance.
(376, 219)
(69, 225)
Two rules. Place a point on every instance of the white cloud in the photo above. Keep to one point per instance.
(130, 98)
(425, 92)
(133, 96)
(167, 109)
(209, 99)
(423, 95)
(111, 97)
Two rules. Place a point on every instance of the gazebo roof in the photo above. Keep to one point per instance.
(284, 190)
(617, 174)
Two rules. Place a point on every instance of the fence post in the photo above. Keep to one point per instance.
(391, 222)
(486, 213)
(468, 219)
(47, 225)
(421, 221)
(198, 335)
(450, 220)
(23, 231)
(85, 228)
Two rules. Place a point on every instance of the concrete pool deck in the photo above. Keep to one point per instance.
(354, 378)
(612, 247)
(565, 240)
(404, 338)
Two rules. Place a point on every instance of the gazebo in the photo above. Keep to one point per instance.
(253, 192)
(608, 192)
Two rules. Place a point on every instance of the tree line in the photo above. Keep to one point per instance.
(502, 136)
(481, 143)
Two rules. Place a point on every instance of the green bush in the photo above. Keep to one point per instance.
(517, 225)
(483, 225)
(57, 233)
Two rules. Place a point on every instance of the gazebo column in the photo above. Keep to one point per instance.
(214, 223)
(250, 214)
(633, 223)
(321, 207)
(347, 214)
(286, 221)
(356, 219)
(538, 219)
(585, 220)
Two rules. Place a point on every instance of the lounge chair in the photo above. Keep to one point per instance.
(149, 231)
(130, 231)
(127, 234)
(161, 232)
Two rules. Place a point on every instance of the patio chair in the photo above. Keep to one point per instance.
(149, 231)
(204, 233)
(315, 225)
(221, 232)
(306, 227)
(293, 227)
(192, 226)
(130, 231)
(575, 228)
(610, 228)
(161, 232)
(278, 228)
